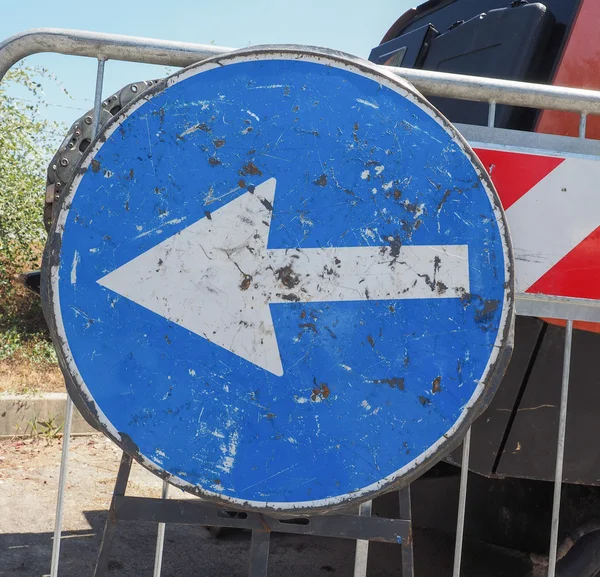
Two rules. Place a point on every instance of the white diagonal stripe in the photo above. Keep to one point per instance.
(556, 215)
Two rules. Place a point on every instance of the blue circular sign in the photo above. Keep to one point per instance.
(281, 280)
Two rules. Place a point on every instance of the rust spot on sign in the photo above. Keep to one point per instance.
(486, 313)
(321, 181)
(395, 245)
(320, 392)
(265, 202)
(251, 168)
(394, 383)
(310, 326)
(287, 277)
(443, 201)
(245, 284)
(289, 297)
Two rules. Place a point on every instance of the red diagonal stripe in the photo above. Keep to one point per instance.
(514, 173)
(577, 275)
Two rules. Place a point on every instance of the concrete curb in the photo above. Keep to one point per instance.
(31, 415)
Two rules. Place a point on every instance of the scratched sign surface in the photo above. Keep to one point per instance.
(280, 279)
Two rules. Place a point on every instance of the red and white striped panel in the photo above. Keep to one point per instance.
(552, 204)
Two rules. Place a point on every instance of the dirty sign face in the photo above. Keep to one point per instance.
(280, 279)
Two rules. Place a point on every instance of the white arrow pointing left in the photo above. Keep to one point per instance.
(216, 278)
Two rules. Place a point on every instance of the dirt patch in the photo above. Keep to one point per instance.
(38, 458)
(28, 485)
(22, 376)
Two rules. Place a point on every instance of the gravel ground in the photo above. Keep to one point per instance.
(28, 485)
(24, 377)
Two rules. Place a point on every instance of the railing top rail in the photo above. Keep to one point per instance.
(106, 46)
(510, 92)
(170, 53)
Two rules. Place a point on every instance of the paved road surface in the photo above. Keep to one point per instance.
(28, 481)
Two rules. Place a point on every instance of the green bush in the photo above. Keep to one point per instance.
(27, 142)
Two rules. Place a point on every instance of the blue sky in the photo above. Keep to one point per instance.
(354, 26)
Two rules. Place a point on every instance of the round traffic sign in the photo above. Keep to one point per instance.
(281, 280)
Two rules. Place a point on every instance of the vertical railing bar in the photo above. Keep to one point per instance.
(98, 96)
(160, 537)
(560, 450)
(582, 124)
(462, 503)
(492, 114)
(405, 509)
(64, 460)
(62, 482)
(361, 556)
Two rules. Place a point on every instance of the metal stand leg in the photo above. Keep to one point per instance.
(362, 528)
(160, 537)
(362, 547)
(62, 482)
(259, 553)
(462, 503)
(407, 545)
(111, 521)
(560, 450)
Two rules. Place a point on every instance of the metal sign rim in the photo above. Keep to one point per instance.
(489, 381)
